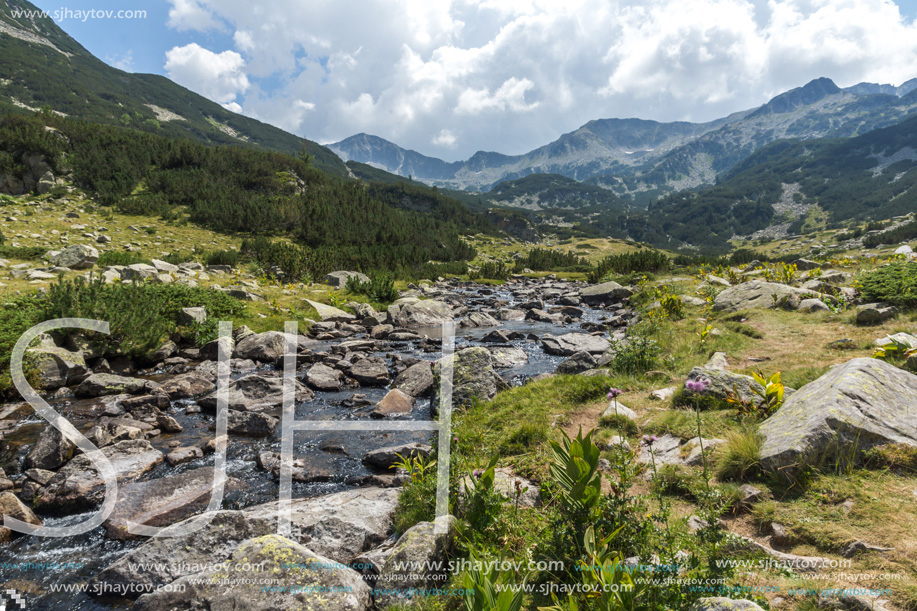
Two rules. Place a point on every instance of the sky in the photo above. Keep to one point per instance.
(450, 77)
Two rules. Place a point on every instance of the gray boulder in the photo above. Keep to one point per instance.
(420, 546)
(508, 357)
(189, 316)
(576, 363)
(322, 377)
(250, 424)
(873, 314)
(478, 319)
(267, 347)
(102, 384)
(138, 271)
(858, 405)
(720, 603)
(77, 256)
(571, 343)
(269, 557)
(50, 452)
(394, 403)
(724, 383)
(759, 294)
(416, 380)
(426, 313)
(187, 385)
(330, 313)
(254, 393)
(57, 367)
(473, 375)
(370, 372)
(339, 279)
(607, 293)
(385, 458)
(812, 305)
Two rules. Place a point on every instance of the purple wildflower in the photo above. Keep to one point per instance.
(614, 393)
(648, 440)
(477, 473)
(697, 386)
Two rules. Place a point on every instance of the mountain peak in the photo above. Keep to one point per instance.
(808, 94)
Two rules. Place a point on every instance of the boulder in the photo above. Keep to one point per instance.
(330, 313)
(256, 392)
(181, 455)
(509, 357)
(760, 294)
(50, 452)
(322, 377)
(188, 385)
(904, 338)
(723, 384)
(416, 380)
(873, 314)
(812, 305)
(339, 279)
(57, 367)
(720, 603)
(304, 580)
(250, 424)
(408, 568)
(385, 458)
(858, 405)
(607, 293)
(77, 256)
(394, 403)
(79, 486)
(576, 363)
(189, 316)
(571, 343)
(478, 319)
(266, 347)
(164, 501)
(370, 372)
(428, 313)
(473, 375)
(102, 384)
(138, 271)
(620, 409)
(805, 265)
(11, 506)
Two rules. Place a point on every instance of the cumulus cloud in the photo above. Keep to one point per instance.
(218, 76)
(510, 75)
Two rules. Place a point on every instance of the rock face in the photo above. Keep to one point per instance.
(571, 343)
(102, 384)
(163, 501)
(77, 256)
(607, 293)
(57, 366)
(255, 393)
(428, 313)
(759, 294)
(858, 405)
(420, 546)
(79, 485)
(269, 557)
(267, 347)
(473, 375)
(416, 380)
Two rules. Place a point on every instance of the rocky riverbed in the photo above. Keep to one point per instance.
(155, 423)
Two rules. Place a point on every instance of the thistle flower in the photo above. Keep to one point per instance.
(614, 393)
(648, 440)
(697, 386)
(476, 473)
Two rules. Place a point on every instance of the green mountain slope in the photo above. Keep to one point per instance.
(43, 67)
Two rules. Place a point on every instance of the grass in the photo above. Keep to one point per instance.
(739, 458)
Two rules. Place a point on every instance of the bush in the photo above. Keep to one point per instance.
(904, 233)
(895, 283)
(380, 288)
(16, 317)
(638, 355)
(627, 263)
(116, 257)
(491, 271)
(29, 253)
(222, 257)
(739, 458)
(543, 260)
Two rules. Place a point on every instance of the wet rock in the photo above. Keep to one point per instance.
(56, 366)
(381, 331)
(79, 486)
(100, 384)
(180, 456)
(370, 372)
(478, 319)
(385, 458)
(508, 357)
(50, 452)
(257, 393)
(322, 377)
(394, 403)
(576, 363)
(607, 293)
(417, 380)
(266, 347)
(856, 406)
(168, 424)
(473, 375)
(11, 506)
(251, 424)
(188, 385)
(571, 343)
(210, 350)
(164, 501)
(341, 589)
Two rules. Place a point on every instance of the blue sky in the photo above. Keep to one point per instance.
(451, 77)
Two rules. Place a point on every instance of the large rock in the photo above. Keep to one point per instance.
(57, 366)
(322, 377)
(473, 375)
(79, 486)
(257, 393)
(394, 403)
(723, 384)
(164, 501)
(300, 575)
(428, 313)
(370, 372)
(102, 384)
(386, 458)
(577, 363)
(855, 406)
(760, 294)
(77, 256)
(188, 385)
(51, 452)
(190, 316)
(571, 343)
(720, 603)
(416, 380)
(409, 566)
(139, 271)
(11, 506)
(267, 347)
(250, 424)
(339, 279)
(607, 293)
(508, 357)
(330, 313)
(873, 314)
(478, 319)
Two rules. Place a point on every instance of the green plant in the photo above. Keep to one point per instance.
(117, 257)
(417, 502)
(480, 583)
(895, 283)
(483, 501)
(637, 355)
(739, 458)
(222, 257)
(379, 288)
(895, 351)
(771, 393)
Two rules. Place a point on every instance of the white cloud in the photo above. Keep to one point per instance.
(510, 75)
(233, 106)
(445, 138)
(125, 61)
(218, 76)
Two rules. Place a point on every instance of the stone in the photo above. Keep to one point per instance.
(417, 380)
(473, 375)
(394, 403)
(322, 377)
(164, 501)
(426, 313)
(190, 316)
(477, 320)
(720, 603)
(370, 372)
(180, 456)
(385, 458)
(724, 384)
(856, 406)
(420, 546)
(57, 367)
(717, 361)
(813, 305)
(873, 314)
(163, 267)
(51, 451)
(904, 338)
(167, 350)
(663, 394)
(11, 506)
(607, 293)
(251, 424)
(138, 271)
(329, 313)
(188, 385)
(76, 256)
(266, 347)
(571, 343)
(508, 357)
(102, 384)
(619, 409)
(805, 265)
(168, 424)
(269, 557)
(576, 363)
(255, 392)
(339, 279)
(759, 294)
(79, 486)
